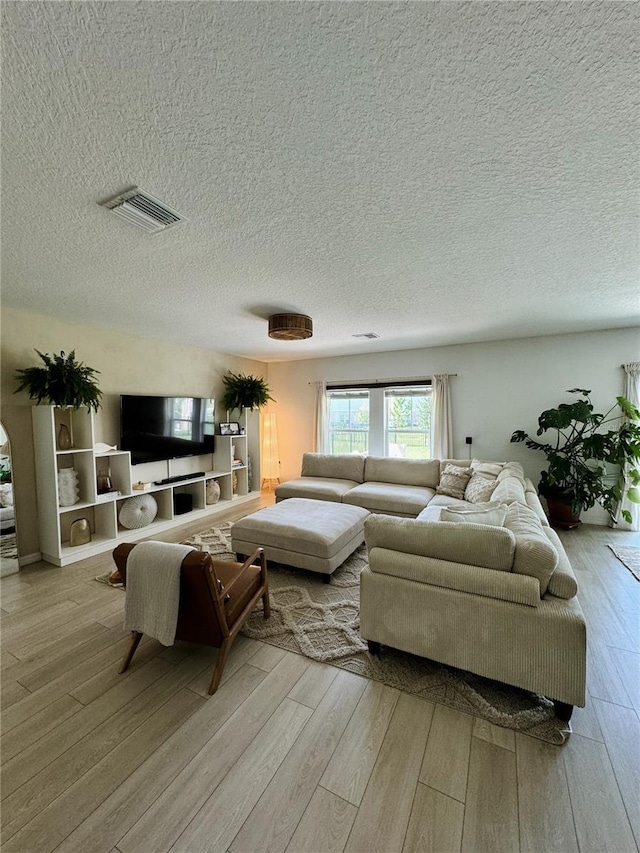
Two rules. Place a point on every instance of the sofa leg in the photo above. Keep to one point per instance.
(374, 647)
(563, 711)
(326, 578)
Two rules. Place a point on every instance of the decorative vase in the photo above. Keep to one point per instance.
(79, 532)
(212, 492)
(64, 438)
(68, 492)
(104, 480)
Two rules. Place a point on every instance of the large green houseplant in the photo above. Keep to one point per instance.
(62, 382)
(244, 392)
(585, 442)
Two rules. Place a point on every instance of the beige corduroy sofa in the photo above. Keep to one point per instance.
(498, 601)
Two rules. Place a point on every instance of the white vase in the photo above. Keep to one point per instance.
(212, 492)
(68, 492)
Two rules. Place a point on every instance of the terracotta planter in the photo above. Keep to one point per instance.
(561, 515)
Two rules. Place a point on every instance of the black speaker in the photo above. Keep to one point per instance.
(182, 502)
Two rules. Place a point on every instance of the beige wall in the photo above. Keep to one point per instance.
(127, 365)
(501, 386)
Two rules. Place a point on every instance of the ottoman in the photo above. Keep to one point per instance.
(301, 532)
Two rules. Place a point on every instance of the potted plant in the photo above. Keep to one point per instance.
(62, 382)
(244, 392)
(576, 477)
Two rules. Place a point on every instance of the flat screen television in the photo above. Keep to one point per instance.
(157, 428)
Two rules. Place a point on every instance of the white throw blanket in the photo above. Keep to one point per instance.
(153, 589)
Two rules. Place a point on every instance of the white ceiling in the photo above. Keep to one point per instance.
(434, 172)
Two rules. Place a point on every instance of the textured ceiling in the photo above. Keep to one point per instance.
(434, 172)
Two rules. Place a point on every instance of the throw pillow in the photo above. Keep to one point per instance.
(479, 489)
(492, 513)
(454, 481)
(138, 511)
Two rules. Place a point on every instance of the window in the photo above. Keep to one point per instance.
(383, 420)
(348, 422)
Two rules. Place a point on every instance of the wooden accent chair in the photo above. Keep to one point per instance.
(216, 598)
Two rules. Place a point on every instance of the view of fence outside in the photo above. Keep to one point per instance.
(349, 441)
(406, 429)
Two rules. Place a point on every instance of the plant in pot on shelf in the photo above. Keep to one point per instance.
(244, 392)
(585, 442)
(62, 382)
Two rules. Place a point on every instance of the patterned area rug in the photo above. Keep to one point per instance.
(321, 621)
(8, 546)
(629, 557)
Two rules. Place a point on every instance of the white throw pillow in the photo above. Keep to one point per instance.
(138, 511)
(492, 513)
(479, 489)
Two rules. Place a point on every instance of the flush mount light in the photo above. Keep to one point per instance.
(290, 327)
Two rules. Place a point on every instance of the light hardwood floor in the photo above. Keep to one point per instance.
(292, 755)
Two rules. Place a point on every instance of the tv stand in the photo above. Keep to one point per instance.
(102, 510)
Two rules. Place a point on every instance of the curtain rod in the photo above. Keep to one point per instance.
(378, 381)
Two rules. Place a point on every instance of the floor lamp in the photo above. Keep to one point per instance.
(270, 461)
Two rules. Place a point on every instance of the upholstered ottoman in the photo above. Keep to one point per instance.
(309, 534)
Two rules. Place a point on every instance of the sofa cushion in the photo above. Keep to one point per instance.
(389, 498)
(492, 513)
(509, 490)
(343, 466)
(472, 544)
(407, 472)
(315, 488)
(479, 489)
(563, 582)
(459, 463)
(453, 481)
(535, 555)
(512, 469)
(486, 469)
(446, 500)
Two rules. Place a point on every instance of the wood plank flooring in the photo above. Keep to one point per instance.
(293, 756)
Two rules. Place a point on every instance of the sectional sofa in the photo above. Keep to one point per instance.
(497, 597)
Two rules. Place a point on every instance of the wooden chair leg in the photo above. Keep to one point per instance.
(266, 604)
(223, 653)
(136, 636)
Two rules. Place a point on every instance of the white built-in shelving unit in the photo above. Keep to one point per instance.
(102, 511)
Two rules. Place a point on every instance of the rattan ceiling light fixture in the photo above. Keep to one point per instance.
(290, 327)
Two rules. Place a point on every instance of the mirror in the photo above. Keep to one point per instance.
(8, 542)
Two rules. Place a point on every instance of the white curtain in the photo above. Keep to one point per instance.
(441, 425)
(320, 417)
(632, 393)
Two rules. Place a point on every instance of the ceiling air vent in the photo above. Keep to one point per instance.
(141, 209)
(370, 335)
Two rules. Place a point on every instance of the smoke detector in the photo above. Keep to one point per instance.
(141, 209)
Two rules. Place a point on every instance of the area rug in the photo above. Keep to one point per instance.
(8, 546)
(629, 557)
(321, 622)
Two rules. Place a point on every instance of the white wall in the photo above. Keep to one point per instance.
(500, 386)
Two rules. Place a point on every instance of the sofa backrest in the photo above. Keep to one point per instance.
(405, 472)
(341, 466)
